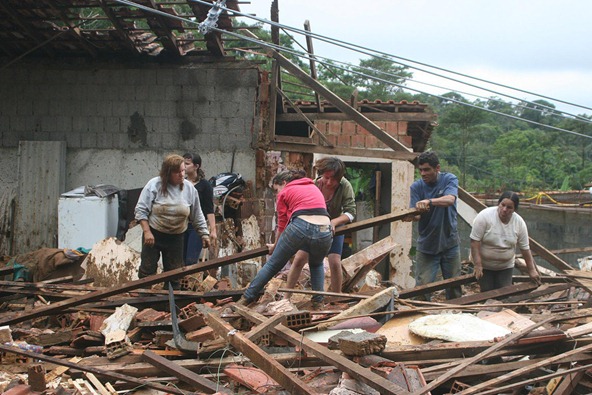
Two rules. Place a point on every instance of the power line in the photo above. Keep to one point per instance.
(537, 107)
(316, 58)
(363, 49)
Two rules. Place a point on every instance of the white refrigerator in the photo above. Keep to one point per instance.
(84, 220)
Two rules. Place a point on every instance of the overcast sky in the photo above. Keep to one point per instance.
(541, 46)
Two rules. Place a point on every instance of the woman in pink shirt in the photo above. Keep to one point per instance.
(303, 224)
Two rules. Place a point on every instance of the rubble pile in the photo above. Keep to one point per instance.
(59, 336)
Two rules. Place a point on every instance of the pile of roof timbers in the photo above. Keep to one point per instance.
(62, 337)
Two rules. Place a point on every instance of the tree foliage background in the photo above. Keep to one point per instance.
(488, 152)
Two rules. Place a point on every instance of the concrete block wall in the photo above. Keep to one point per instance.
(350, 134)
(119, 120)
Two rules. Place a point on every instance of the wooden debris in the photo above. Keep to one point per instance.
(364, 307)
(273, 347)
(196, 381)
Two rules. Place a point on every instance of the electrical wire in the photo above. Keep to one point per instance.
(374, 53)
(488, 99)
(316, 58)
(363, 50)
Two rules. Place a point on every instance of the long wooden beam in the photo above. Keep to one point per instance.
(143, 282)
(93, 370)
(344, 107)
(376, 221)
(183, 374)
(346, 151)
(544, 253)
(436, 286)
(144, 369)
(493, 383)
(373, 116)
(484, 354)
(290, 382)
(510, 290)
(365, 375)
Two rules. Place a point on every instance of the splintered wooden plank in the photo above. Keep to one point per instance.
(93, 370)
(484, 354)
(538, 293)
(360, 263)
(480, 371)
(521, 384)
(437, 285)
(143, 282)
(98, 385)
(327, 356)
(187, 376)
(290, 382)
(522, 371)
(568, 383)
(494, 294)
(364, 307)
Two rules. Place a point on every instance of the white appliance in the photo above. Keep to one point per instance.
(84, 220)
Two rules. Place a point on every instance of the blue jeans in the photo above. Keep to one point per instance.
(448, 262)
(298, 235)
(192, 247)
(337, 245)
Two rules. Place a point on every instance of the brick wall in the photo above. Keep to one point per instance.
(350, 134)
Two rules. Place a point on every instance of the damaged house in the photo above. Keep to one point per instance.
(97, 92)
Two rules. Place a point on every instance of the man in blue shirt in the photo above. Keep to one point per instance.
(438, 242)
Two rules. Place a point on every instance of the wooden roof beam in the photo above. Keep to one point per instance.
(170, 44)
(313, 64)
(75, 30)
(344, 107)
(305, 118)
(118, 26)
(36, 37)
(213, 39)
(129, 286)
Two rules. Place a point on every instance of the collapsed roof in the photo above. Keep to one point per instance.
(99, 27)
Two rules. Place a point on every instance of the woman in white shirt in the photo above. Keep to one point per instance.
(165, 207)
(496, 233)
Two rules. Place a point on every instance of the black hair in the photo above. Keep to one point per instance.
(428, 157)
(513, 196)
(195, 158)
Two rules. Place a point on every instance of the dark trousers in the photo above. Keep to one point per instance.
(171, 248)
(494, 279)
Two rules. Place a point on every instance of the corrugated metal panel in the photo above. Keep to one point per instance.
(41, 180)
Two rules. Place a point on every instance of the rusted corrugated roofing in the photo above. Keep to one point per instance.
(95, 27)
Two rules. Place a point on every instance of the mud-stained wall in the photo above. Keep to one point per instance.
(120, 119)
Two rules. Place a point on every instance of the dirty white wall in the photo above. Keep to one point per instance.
(119, 119)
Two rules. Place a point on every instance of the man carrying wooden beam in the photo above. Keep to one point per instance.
(438, 244)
